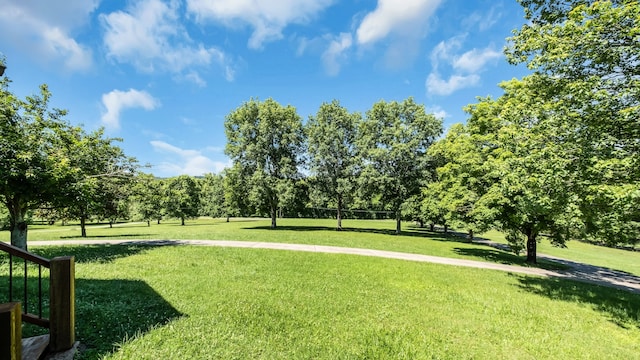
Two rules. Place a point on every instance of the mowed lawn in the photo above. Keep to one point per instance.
(188, 302)
(370, 234)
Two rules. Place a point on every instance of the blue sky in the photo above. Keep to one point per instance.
(162, 75)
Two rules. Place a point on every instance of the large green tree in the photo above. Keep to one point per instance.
(35, 167)
(333, 160)
(394, 138)
(102, 177)
(265, 141)
(585, 54)
(531, 166)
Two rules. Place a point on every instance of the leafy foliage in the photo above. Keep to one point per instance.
(333, 160)
(265, 141)
(393, 141)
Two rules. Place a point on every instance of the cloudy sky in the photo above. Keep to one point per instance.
(162, 75)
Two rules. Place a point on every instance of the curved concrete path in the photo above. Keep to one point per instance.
(577, 271)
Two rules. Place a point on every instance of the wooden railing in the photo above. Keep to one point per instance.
(61, 320)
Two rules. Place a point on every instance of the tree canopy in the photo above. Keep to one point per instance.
(333, 160)
(265, 141)
(394, 138)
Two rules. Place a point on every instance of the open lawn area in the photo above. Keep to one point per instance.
(185, 302)
(190, 302)
(369, 234)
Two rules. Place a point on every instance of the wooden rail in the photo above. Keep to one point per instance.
(61, 321)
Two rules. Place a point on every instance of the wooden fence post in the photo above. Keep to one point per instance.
(62, 295)
(10, 331)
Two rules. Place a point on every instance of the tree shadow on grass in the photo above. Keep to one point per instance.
(110, 312)
(621, 307)
(502, 257)
(105, 236)
(91, 253)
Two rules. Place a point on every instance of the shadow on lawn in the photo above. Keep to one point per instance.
(621, 307)
(101, 254)
(108, 312)
(104, 236)
(503, 257)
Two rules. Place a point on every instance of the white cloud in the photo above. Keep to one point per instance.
(437, 111)
(406, 18)
(44, 28)
(116, 101)
(466, 67)
(445, 50)
(333, 57)
(475, 60)
(268, 18)
(189, 162)
(484, 21)
(149, 35)
(436, 85)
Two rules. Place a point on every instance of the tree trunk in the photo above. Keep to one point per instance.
(446, 229)
(398, 222)
(110, 225)
(182, 220)
(339, 213)
(421, 223)
(432, 227)
(273, 216)
(148, 223)
(18, 228)
(470, 236)
(227, 218)
(158, 221)
(83, 227)
(531, 247)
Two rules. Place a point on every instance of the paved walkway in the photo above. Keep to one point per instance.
(577, 271)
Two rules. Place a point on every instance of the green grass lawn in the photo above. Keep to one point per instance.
(370, 234)
(187, 302)
(178, 302)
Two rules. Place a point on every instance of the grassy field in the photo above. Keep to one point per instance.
(137, 302)
(368, 234)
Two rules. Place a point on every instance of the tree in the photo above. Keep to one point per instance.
(146, 196)
(531, 166)
(585, 54)
(34, 163)
(101, 178)
(333, 160)
(182, 197)
(462, 178)
(265, 141)
(235, 192)
(393, 142)
(212, 201)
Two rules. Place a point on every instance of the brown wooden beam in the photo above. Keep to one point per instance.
(62, 297)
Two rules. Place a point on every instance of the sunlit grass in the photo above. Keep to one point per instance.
(370, 234)
(138, 302)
